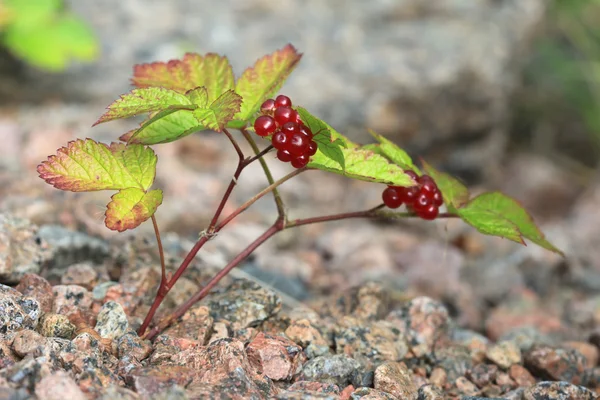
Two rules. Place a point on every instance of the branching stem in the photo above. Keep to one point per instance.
(279, 225)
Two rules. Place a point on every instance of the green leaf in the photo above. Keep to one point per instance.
(86, 165)
(198, 96)
(164, 127)
(364, 165)
(31, 12)
(264, 79)
(140, 101)
(499, 215)
(455, 193)
(211, 71)
(130, 207)
(393, 152)
(77, 39)
(42, 34)
(328, 140)
(220, 112)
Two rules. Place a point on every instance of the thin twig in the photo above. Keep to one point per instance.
(272, 187)
(235, 144)
(161, 253)
(179, 311)
(267, 171)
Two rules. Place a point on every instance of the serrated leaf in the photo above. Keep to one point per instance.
(454, 192)
(328, 139)
(394, 153)
(499, 215)
(220, 112)
(164, 127)
(86, 165)
(145, 100)
(198, 96)
(364, 165)
(264, 79)
(211, 71)
(130, 207)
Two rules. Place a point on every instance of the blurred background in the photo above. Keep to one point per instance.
(505, 94)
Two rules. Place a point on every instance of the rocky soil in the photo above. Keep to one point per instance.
(404, 310)
(348, 310)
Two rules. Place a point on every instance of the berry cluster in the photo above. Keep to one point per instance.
(423, 199)
(290, 137)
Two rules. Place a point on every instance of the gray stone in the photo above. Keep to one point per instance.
(100, 290)
(112, 322)
(430, 392)
(424, 321)
(557, 391)
(17, 312)
(243, 304)
(371, 394)
(21, 250)
(70, 247)
(337, 369)
(371, 343)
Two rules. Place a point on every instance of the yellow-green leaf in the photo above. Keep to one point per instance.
(164, 127)
(264, 79)
(364, 165)
(499, 215)
(220, 112)
(86, 165)
(211, 71)
(141, 101)
(328, 140)
(130, 207)
(395, 154)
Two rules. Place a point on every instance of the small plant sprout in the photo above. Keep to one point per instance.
(199, 93)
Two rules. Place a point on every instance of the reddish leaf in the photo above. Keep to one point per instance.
(211, 71)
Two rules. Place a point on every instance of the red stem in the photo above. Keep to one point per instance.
(165, 287)
(278, 226)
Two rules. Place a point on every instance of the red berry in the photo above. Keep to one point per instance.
(409, 194)
(305, 130)
(282, 101)
(429, 213)
(298, 144)
(289, 128)
(284, 155)
(391, 198)
(300, 161)
(264, 125)
(280, 140)
(422, 201)
(285, 114)
(268, 106)
(312, 148)
(437, 198)
(427, 184)
(412, 174)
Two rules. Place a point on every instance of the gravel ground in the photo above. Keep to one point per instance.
(346, 310)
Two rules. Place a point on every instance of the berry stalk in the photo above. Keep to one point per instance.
(267, 171)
